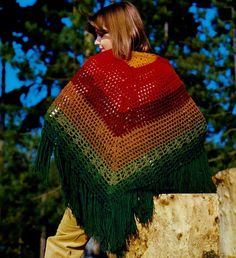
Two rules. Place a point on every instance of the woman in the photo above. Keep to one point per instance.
(123, 130)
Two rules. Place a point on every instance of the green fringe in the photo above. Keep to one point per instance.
(43, 158)
(192, 177)
(110, 221)
(110, 217)
(111, 228)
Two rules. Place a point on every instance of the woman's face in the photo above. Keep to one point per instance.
(103, 40)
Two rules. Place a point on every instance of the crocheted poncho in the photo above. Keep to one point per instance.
(122, 132)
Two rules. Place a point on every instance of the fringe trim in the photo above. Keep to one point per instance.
(194, 177)
(43, 158)
(111, 222)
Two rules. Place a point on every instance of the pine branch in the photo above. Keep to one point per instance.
(222, 156)
(45, 195)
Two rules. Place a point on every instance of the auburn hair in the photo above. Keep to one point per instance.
(124, 24)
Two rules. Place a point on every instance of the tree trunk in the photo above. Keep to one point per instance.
(43, 232)
(42, 241)
(2, 120)
(3, 91)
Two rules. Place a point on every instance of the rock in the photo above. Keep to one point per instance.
(191, 225)
(183, 225)
(226, 190)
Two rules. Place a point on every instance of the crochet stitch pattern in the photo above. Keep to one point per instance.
(122, 132)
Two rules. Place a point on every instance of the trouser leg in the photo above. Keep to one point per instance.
(70, 239)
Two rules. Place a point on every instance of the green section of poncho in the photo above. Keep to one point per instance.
(84, 186)
(120, 137)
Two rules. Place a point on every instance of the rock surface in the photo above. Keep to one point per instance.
(184, 225)
(226, 190)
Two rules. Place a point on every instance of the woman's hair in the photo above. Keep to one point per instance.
(123, 23)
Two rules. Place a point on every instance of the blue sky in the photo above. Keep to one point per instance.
(12, 82)
(24, 3)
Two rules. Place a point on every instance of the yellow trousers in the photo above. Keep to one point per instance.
(70, 239)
